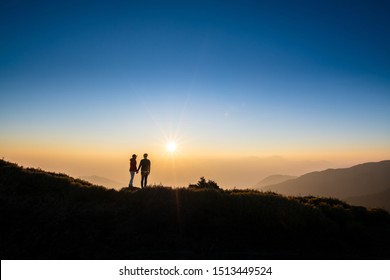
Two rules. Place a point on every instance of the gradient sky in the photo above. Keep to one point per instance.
(85, 82)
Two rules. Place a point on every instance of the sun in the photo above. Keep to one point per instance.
(171, 147)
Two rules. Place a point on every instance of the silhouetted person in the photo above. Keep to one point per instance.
(144, 165)
(133, 169)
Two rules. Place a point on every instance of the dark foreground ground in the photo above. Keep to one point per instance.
(52, 216)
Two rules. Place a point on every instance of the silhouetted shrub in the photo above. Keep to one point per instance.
(203, 184)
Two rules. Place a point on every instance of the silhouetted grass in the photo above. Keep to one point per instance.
(53, 216)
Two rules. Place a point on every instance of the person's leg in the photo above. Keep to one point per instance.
(131, 178)
(146, 179)
(142, 180)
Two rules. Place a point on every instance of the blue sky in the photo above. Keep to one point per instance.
(225, 77)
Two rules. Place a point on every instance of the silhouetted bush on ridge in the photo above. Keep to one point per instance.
(203, 184)
(53, 216)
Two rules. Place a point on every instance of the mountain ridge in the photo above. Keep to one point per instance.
(273, 179)
(380, 199)
(359, 180)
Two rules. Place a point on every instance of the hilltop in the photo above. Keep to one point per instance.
(102, 181)
(53, 216)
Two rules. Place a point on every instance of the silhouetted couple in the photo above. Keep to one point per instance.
(144, 165)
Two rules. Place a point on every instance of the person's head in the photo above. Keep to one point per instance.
(134, 156)
(145, 155)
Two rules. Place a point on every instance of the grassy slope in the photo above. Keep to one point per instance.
(52, 216)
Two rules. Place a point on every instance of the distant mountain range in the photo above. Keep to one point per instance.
(366, 184)
(274, 179)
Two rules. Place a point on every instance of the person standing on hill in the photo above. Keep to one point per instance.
(144, 165)
(133, 169)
